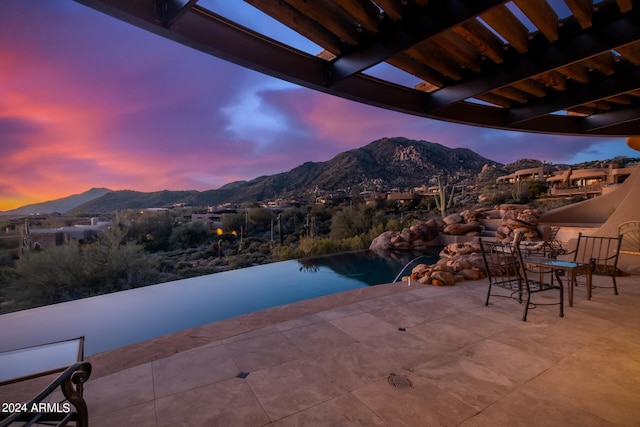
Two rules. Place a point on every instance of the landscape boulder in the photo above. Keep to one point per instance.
(415, 238)
(460, 229)
(454, 218)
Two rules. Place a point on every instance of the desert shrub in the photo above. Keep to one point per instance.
(115, 263)
(261, 218)
(393, 225)
(73, 271)
(54, 275)
(283, 253)
(240, 261)
(189, 235)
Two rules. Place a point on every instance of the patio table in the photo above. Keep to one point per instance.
(562, 267)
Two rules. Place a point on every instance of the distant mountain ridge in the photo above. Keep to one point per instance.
(383, 164)
(61, 205)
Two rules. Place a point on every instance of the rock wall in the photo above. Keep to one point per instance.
(461, 260)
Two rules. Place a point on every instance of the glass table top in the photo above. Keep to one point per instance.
(558, 263)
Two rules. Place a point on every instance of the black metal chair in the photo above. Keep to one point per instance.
(45, 359)
(550, 247)
(602, 253)
(506, 270)
(630, 232)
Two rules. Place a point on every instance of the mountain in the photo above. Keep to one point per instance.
(62, 205)
(381, 165)
(128, 199)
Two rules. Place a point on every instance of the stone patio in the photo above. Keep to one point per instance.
(328, 361)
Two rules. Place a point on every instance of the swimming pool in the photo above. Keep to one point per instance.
(121, 318)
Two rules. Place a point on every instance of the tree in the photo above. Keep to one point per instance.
(260, 217)
(233, 222)
(152, 229)
(54, 275)
(341, 225)
(116, 264)
(189, 235)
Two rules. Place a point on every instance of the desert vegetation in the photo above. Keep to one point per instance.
(143, 248)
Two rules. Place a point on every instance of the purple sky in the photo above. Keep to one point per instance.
(89, 101)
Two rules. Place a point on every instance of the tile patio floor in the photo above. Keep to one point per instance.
(327, 362)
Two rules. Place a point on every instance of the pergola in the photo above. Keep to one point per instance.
(512, 65)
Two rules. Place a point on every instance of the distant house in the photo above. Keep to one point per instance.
(405, 199)
(589, 182)
(530, 174)
(210, 219)
(49, 237)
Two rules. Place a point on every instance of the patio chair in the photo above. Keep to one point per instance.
(506, 270)
(602, 253)
(630, 232)
(550, 247)
(17, 366)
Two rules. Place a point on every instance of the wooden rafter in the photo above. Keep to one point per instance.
(482, 39)
(587, 64)
(542, 16)
(508, 26)
(582, 10)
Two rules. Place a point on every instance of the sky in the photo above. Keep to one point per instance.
(89, 101)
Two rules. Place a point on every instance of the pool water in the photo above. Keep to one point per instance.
(121, 318)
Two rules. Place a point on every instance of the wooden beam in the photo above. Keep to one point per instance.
(598, 106)
(542, 15)
(426, 87)
(578, 72)
(580, 110)
(605, 63)
(552, 79)
(532, 87)
(299, 23)
(540, 64)
(428, 53)
(328, 16)
(599, 94)
(511, 93)
(494, 99)
(203, 30)
(582, 10)
(625, 5)
(363, 12)
(417, 68)
(482, 38)
(620, 99)
(459, 50)
(630, 52)
(423, 24)
(508, 26)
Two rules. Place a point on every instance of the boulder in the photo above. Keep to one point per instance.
(471, 274)
(381, 243)
(401, 246)
(442, 278)
(420, 270)
(454, 218)
(461, 229)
